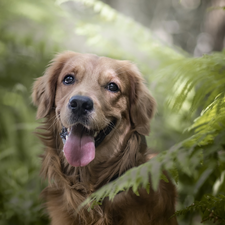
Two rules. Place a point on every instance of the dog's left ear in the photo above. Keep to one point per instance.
(142, 104)
(44, 87)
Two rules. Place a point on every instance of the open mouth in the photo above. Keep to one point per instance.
(80, 143)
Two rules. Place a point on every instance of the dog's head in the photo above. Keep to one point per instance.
(92, 97)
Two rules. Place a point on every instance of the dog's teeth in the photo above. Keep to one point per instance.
(95, 134)
(66, 137)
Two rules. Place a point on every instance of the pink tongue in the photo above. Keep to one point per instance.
(79, 148)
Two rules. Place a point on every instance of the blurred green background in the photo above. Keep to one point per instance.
(159, 36)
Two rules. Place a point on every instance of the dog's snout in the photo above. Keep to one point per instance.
(81, 104)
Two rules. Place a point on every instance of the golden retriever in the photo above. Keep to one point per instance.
(101, 109)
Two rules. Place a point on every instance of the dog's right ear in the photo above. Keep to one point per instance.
(142, 103)
(44, 88)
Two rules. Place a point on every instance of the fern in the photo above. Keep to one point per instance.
(171, 160)
(210, 207)
(206, 80)
(205, 73)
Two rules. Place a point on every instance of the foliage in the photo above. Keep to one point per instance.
(23, 57)
(211, 207)
(193, 87)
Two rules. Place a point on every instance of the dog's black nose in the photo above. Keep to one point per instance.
(81, 104)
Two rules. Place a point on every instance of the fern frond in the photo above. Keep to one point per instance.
(205, 76)
(184, 157)
(211, 121)
(201, 83)
(138, 177)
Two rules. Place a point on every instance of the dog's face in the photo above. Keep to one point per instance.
(93, 97)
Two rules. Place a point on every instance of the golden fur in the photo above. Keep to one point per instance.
(124, 148)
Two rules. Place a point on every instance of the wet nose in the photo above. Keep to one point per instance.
(80, 104)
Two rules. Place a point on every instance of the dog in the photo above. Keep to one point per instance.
(97, 112)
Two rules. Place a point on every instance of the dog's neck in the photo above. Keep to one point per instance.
(114, 143)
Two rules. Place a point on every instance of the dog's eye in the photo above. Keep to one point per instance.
(112, 87)
(68, 79)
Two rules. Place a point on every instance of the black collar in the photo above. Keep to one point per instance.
(114, 177)
(103, 133)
